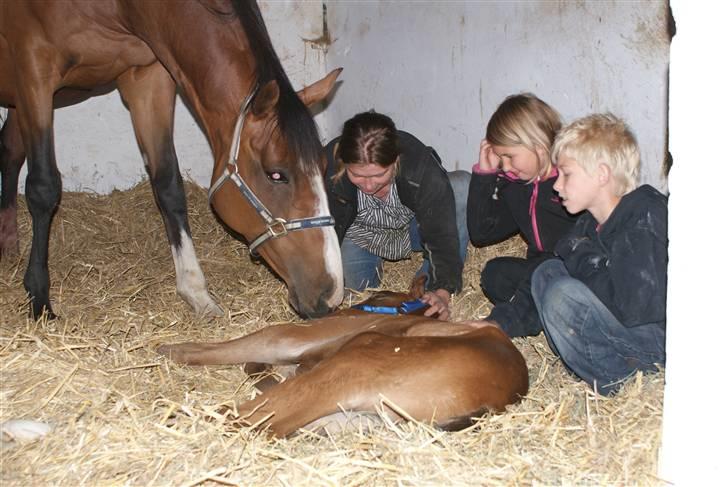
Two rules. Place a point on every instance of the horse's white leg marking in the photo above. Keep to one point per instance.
(332, 252)
(191, 283)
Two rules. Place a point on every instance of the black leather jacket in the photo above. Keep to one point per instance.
(423, 186)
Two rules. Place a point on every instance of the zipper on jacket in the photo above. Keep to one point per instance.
(532, 213)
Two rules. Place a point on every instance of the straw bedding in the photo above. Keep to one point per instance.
(124, 416)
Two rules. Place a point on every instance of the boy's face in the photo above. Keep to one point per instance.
(578, 189)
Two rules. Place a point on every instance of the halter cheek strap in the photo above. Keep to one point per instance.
(275, 227)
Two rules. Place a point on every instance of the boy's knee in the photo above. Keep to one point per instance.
(547, 270)
(559, 300)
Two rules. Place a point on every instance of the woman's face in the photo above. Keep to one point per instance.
(518, 160)
(371, 179)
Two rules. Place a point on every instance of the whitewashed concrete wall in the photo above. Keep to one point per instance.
(695, 427)
(440, 69)
(95, 145)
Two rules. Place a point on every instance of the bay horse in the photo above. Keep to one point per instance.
(268, 161)
(407, 365)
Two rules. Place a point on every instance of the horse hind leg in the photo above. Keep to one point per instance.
(12, 157)
(149, 93)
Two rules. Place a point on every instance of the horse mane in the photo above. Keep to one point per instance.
(295, 122)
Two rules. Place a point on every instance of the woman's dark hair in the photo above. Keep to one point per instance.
(368, 138)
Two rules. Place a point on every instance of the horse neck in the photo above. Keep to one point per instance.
(209, 59)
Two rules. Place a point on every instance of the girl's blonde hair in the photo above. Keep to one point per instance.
(525, 120)
(602, 138)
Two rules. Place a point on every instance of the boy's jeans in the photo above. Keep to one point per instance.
(587, 336)
(363, 269)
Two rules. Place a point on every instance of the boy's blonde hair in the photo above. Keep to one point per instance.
(525, 120)
(601, 138)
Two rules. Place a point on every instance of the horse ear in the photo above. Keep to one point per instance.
(266, 98)
(310, 95)
(417, 287)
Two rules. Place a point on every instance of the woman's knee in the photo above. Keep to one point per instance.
(362, 269)
(460, 183)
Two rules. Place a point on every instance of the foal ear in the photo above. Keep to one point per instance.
(417, 287)
(310, 95)
(266, 98)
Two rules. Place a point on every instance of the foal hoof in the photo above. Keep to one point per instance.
(213, 310)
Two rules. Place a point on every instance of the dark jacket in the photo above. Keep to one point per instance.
(625, 263)
(500, 207)
(423, 186)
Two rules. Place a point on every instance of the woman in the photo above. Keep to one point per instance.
(390, 195)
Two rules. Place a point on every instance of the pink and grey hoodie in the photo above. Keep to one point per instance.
(500, 206)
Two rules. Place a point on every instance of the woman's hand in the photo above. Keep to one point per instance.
(488, 160)
(439, 301)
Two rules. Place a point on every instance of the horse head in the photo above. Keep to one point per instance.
(277, 168)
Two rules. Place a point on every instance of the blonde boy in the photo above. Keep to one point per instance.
(602, 303)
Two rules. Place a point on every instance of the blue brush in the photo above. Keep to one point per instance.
(389, 310)
(405, 308)
(410, 306)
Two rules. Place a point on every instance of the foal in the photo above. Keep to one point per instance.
(435, 371)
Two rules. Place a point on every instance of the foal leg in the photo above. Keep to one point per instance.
(12, 157)
(285, 344)
(150, 95)
(307, 344)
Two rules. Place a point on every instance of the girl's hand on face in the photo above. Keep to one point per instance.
(488, 160)
(439, 301)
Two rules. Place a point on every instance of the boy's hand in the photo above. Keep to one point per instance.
(439, 301)
(488, 160)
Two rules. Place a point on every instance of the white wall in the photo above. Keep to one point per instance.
(695, 427)
(440, 69)
(95, 145)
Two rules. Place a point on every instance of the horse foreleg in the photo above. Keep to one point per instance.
(34, 108)
(12, 157)
(150, 95)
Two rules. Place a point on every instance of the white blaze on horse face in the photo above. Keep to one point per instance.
(191, 283)
(332, 252)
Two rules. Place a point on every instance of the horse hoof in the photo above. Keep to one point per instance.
(37, 315)
(165, 351)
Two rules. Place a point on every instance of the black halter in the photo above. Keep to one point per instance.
(275, 227)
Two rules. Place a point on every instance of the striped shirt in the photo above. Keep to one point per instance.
(382, 226)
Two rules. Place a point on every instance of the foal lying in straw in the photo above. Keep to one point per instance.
(404, 365)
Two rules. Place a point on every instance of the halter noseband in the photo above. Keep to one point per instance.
(275, 227)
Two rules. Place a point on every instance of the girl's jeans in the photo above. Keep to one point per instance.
(363, 269)
(585, 334)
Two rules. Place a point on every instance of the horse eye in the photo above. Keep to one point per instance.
(277, 177)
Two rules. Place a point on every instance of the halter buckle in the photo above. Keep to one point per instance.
(277, 228)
